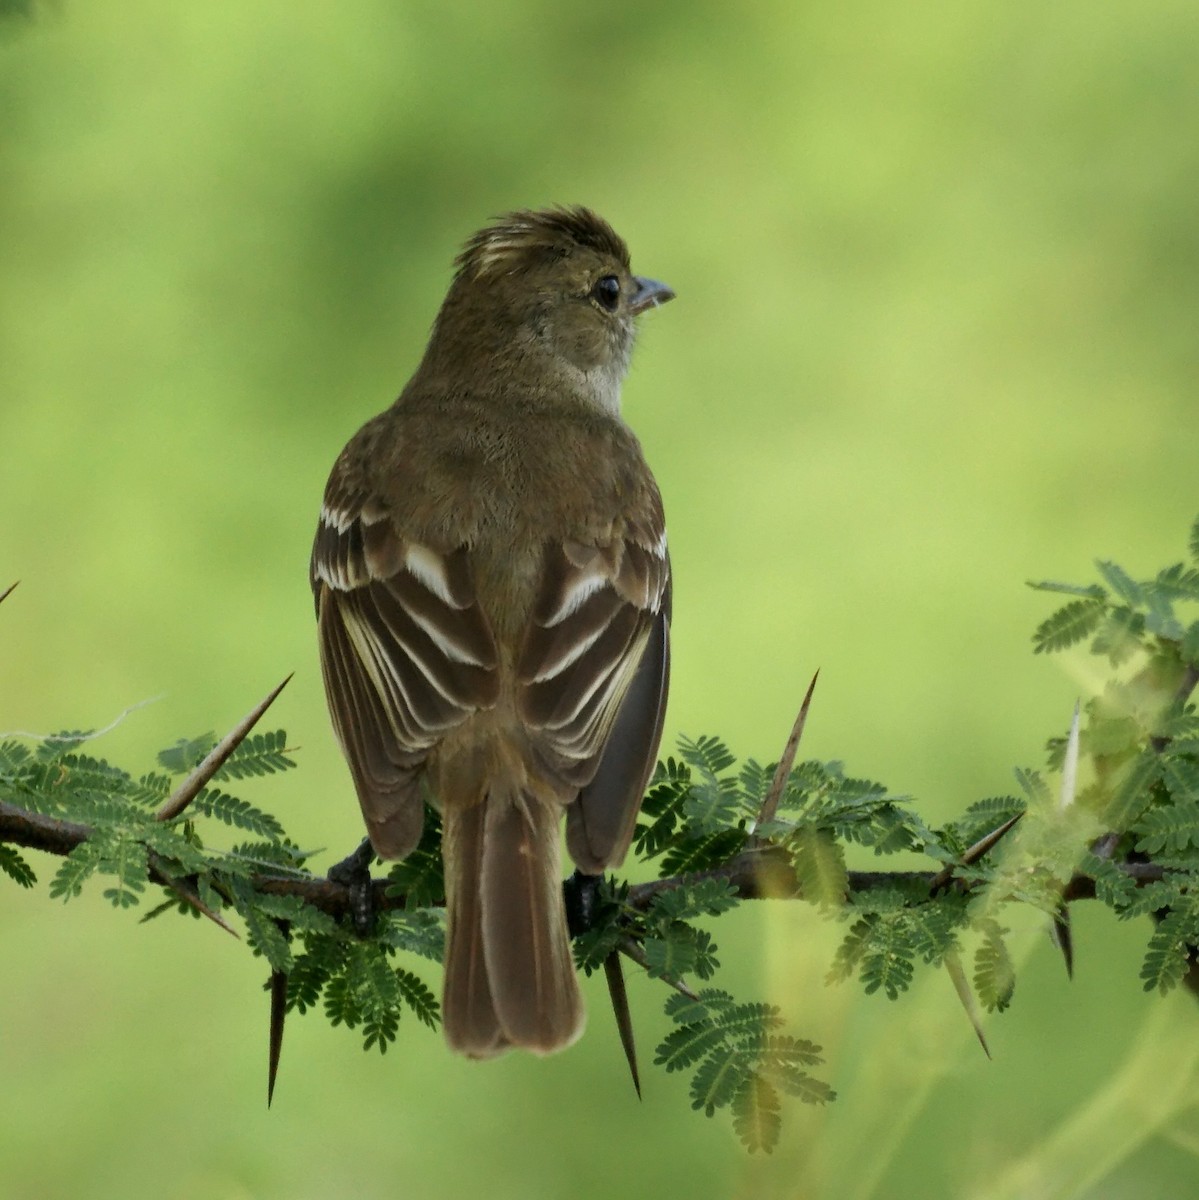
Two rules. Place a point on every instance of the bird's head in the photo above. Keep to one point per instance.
(545, 294)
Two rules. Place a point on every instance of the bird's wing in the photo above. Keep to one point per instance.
(406, 653)
(593, 676)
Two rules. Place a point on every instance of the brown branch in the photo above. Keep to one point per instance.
(758, 874)
(37, 832)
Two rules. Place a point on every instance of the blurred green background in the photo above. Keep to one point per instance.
(938, 279)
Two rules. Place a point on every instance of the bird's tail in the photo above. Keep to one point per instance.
(509, 976)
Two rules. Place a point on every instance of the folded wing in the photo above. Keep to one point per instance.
(407, 655)
(593, 679)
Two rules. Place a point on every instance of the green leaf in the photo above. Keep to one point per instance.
(419, 877)
(54, 747)
(341, 1007)
(851, 951)
(1160, 619)
(76, 869)
(757, 1114)
(1179, 582)
(237, 813)
(1068, 625)
(13, 756)
(687, 1045)
(705, 1006)
(379, 1028)
(702, 853)
(933, 928)
(378, 995)
(311, 970)
(1126, 588)
(888, 968)
(1166, 957)
(418, 931)
(126, 859)
(258, 754)
(1181, 777)
(1118, 635)
(705, 898)
(708, 755)
(1134, 790)
(717, 1078)
(14, 866)
(264, 933)
(415, 993)
(1188, 647)
(186, 754)
(1194, 540)
(1091, 590)
(1032, 785)
(1173, 829)
(994, 974)
(672, 953)
(1112, 886)
(819, 864)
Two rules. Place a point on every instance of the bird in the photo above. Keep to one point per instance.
(493, 596)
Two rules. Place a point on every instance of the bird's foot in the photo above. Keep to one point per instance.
(354, 873)
(581, 894)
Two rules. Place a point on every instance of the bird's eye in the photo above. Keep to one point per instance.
(607, 292)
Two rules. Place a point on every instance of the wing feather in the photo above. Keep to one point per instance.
(592, 680)
(407, 655)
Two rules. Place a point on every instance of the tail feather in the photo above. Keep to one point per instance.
(468, 1015)
(533, 983)
(510, 979)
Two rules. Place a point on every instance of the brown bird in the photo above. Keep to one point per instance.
(493, 594)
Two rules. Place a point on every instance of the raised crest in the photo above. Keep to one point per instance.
(522, 238)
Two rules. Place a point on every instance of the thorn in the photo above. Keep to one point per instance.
(972, 855)
(614, 973)
(278, 1016)
(191, 787)
(953, 965)
(1062, 936)
(8, 591)
(782, 772)
(1070, 765)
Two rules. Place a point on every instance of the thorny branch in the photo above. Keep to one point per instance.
(755, 874)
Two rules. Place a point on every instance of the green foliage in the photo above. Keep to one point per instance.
(1142, 734)
(890, 932)
(186, 754)
(1070, 624)
(235, 812)
(258, 754)
(994, 974)
(704, 898)
(419, 878)
(706, 823)
(129, 848)
(607, 930)
(737, 1060)
(1172, 946)
(15, 867)
(978, 820)
(819, 864)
